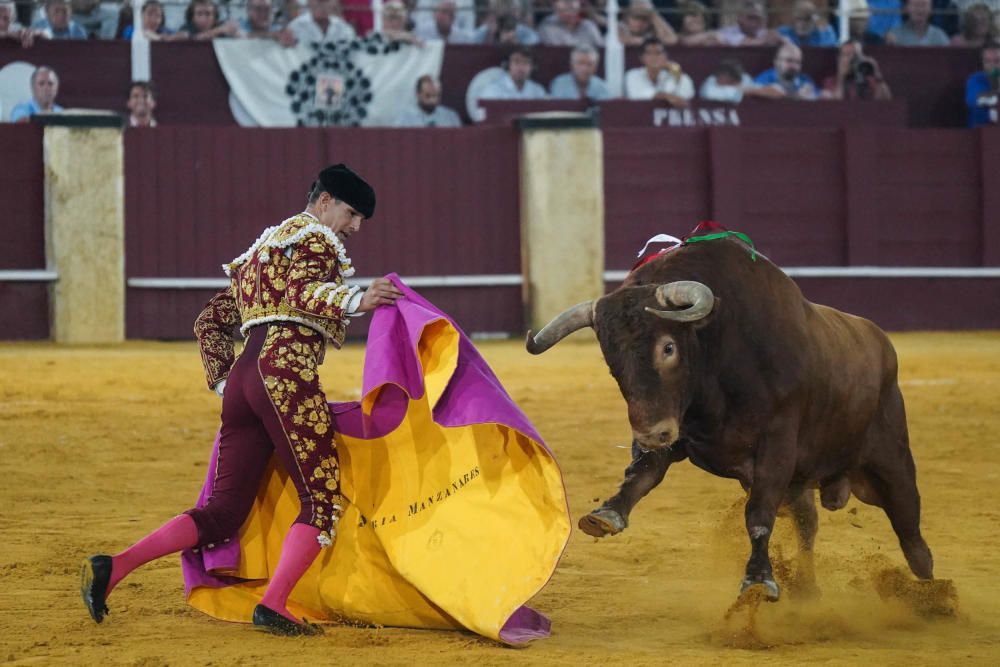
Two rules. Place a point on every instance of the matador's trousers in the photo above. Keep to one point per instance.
(273, 402)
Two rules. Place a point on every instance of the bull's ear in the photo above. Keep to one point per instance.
(698, 324)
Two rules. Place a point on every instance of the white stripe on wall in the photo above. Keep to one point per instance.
(866, 272)
(512, 279)
(33, 276)
(490, 280)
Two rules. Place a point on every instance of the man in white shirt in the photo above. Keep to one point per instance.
(428, 112)
(516, 83)
(580, 83)
(442, 25)
(321, 23)
(658, 78)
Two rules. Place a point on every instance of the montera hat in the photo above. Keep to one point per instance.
(343, 184)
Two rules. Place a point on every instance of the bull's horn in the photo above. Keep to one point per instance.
(696, 296)
(579, 316)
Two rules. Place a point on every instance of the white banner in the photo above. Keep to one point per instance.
(350, 83)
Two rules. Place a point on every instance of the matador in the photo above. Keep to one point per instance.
(288, 298)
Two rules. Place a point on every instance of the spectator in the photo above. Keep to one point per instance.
(806, 29)
(443, 26)
(394, 21)
(641, 22)
(658, 78)
(463, 15)
(694, 26)
(428, 112)
(516, 83)
(503, 25)
(57, 23)
(201, 22)
(982, 89)
(858, 77)
(785, 80)
(750, 29)
(978, 27)
(917, 30)
(153, 24)
(858, 16)
(140, 104)
(44, 88)
(884, 16)
(580, 82)
(11, 29)
(260, 24)
(97, 21)
(727, 83)
(321, 23)
(566, 27)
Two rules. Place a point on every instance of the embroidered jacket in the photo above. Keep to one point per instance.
(293, 273)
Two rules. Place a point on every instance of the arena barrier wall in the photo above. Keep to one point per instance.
(900, 226)
(24, 278)
(897, 225)
(446, 217)
(192, 90)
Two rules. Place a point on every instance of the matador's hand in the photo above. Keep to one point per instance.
(382, 292)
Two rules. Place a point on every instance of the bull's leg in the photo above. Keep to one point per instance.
(803, 510)
(774, 464)
(892, 475)
(642, 475)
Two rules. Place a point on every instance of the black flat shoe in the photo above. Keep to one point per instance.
(95, 574)
(272, 621)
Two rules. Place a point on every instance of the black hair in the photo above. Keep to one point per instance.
(145, 85)
(730, 67)
(189, 12)
(520, 50)
(650, 41)
(422, 80)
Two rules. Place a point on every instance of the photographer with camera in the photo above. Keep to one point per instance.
(858, 77)
(982, 89)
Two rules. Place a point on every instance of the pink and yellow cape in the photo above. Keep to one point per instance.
(457, 512)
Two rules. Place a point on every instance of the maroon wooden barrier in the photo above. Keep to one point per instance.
(915, 198)
(857, 197)
(22, 226)
(652, 185)
(194, 91)
(196, 197)
(907, 304)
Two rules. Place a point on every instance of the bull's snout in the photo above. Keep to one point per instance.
(659, 435)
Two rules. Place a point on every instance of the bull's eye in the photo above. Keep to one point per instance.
(668, 350)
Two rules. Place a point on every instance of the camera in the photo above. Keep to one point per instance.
(862, 68)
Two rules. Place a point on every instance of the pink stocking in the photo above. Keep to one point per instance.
(297, 554)
(177, 534)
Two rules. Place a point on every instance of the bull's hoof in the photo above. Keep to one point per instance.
(602, 522)
(770, 586)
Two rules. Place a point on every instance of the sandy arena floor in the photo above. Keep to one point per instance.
(100, 445)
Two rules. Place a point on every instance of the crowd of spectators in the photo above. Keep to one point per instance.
(524, 22)
(651, 25)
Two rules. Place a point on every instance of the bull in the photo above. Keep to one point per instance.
(722, 361)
